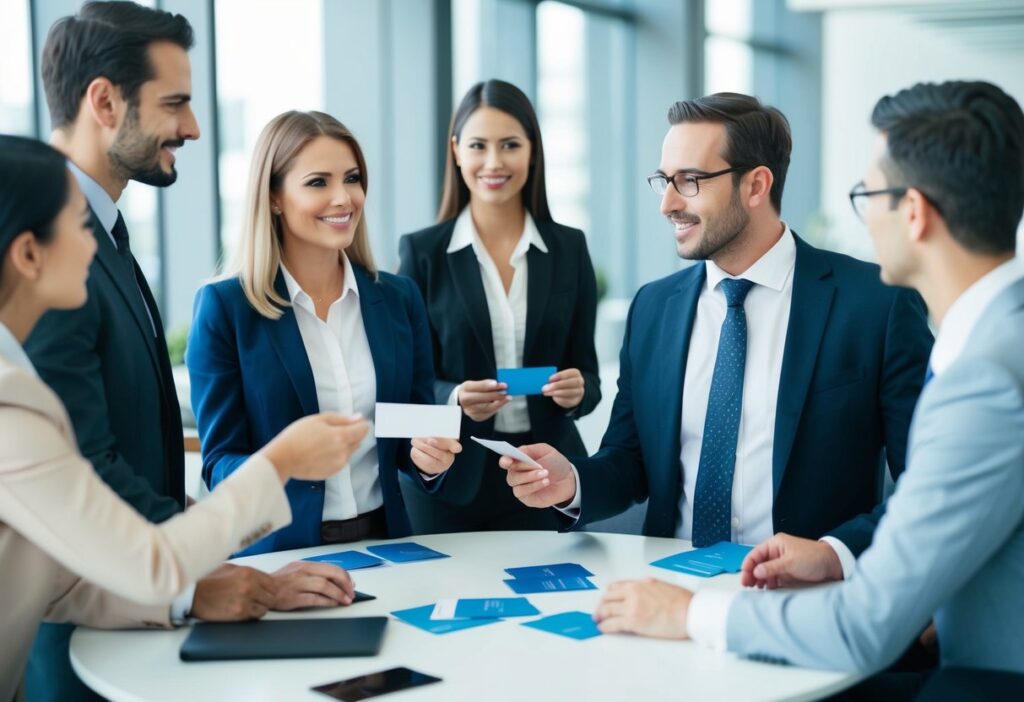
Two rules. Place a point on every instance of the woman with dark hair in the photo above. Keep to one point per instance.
(506, 287)
(95, 560)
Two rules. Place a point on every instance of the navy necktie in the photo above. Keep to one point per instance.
(712, 500)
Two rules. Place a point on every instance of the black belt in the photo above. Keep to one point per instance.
(366, 526)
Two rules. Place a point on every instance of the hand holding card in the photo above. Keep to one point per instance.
(526, 381)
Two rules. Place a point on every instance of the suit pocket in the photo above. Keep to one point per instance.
(835, 381)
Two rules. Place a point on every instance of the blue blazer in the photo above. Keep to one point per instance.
(852, 367)
(251, 378)
(951, 545)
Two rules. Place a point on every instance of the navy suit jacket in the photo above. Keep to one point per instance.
(251, 378)
(853, 365)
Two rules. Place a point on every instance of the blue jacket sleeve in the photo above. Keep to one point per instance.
(216, 384)
(614, 479)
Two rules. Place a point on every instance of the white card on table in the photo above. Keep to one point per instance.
(444, 609)
(404, 421)
(504, 448)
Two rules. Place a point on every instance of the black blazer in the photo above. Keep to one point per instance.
(561, 313)
(114, 377)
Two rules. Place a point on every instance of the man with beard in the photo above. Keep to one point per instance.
(118, 85)
(760, 391)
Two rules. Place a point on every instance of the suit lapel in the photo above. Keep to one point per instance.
(465, 274)
(808, 317)
(379, 333)
(673, 345)
(539, 271)
(129, 288)
(284, 335)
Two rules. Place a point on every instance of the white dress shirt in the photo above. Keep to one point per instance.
(507, 311)
(708, 617)
(346, 382)
(767, 310)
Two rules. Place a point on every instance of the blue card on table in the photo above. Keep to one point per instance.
(525, 381)
(526, 586)
(420, 617)
(405, 552)
(575, 625)
(495, 607)
(723, 557)
(349, 560)
(554, 570)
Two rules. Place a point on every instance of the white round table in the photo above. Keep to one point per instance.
(503, 661)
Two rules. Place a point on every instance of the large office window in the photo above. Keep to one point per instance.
(16, 115)
(269, 60)
(728, 54)
(562, 109)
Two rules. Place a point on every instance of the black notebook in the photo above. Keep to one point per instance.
(284, 638)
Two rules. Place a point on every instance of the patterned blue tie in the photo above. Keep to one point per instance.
(712, 501)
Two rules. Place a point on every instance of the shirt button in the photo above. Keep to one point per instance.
(736, 522)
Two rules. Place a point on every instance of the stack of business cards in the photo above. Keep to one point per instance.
(723, 557)
(405, 552)
(556, 577)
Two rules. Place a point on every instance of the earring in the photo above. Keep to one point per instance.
(276, 210)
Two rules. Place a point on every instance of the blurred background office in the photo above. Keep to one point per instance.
(602, 74)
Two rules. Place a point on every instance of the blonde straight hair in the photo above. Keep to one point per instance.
(257, 259)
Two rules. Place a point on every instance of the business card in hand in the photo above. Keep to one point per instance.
(407, 421)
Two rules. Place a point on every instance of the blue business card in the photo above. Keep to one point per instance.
(420, 617)
(723, 557)
(405, 552)
(525, 381)
(575, 625)
(349, 560)
(495, 607)
(554, 570)
(526, 586)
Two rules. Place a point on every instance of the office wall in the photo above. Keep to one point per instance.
(870, 53)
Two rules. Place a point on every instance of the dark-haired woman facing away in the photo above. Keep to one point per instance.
(506, 286)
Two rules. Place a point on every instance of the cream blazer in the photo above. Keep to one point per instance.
(72, 550)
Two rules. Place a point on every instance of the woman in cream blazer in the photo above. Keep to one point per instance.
(70, 549)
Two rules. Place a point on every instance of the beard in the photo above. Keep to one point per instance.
(135, 155)
(721, 231)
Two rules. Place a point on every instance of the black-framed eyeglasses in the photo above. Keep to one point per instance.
(687, 183)
(859, 197)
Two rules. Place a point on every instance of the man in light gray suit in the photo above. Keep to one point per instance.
(942, 199)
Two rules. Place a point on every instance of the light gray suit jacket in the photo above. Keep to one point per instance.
(951, 544)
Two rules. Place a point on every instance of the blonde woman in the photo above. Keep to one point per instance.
(306, 323)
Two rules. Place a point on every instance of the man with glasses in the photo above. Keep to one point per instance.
(942, 199)
(761, 390)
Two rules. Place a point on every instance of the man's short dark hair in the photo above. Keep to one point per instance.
(756, 134)
(108, 39)
(960, 143)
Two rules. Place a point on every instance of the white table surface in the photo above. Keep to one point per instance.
(503, 661)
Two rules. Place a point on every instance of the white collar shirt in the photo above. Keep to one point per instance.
(346, 382)
(767, 308)
(507, 310)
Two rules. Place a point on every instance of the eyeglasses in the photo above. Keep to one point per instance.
(687, 183)
(859, 196)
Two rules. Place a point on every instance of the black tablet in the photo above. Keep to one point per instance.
(284, 638)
